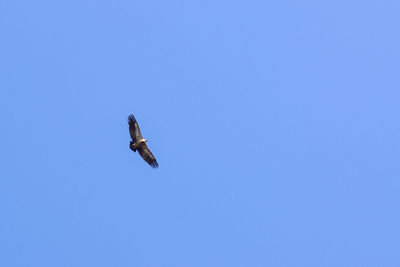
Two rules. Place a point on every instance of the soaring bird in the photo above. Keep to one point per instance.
(139, 144)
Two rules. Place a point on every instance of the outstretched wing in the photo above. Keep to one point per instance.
(134, 129)
(146, 154)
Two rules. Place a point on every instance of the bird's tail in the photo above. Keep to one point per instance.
(132, 146)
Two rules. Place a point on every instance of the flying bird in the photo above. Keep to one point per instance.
(139, 144)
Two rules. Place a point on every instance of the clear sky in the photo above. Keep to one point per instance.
(275, 124)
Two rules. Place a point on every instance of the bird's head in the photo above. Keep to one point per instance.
(145, 140)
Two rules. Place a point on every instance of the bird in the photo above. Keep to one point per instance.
(138, 143)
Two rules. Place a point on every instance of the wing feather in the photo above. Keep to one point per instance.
(146, 154)
(134, 130)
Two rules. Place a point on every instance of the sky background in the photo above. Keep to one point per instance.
(275, 124)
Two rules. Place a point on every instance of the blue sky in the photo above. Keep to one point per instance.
(275, 124)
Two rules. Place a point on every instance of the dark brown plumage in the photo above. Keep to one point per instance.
(139, 144)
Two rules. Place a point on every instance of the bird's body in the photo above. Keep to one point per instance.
(135, 145)
(138, 143)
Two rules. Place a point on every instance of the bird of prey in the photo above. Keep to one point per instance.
(139, 144)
